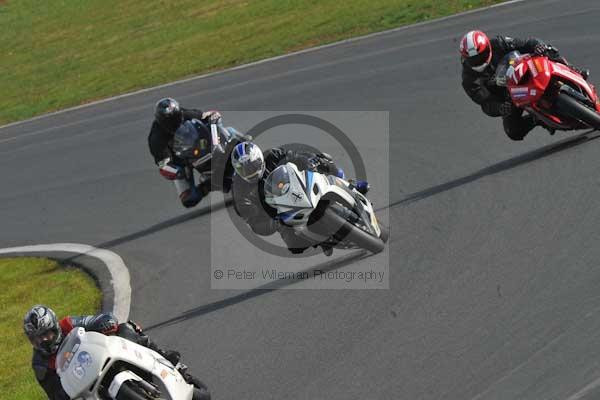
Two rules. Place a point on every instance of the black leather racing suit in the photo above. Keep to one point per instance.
(44, 366)
(249, 198)
(160, 141)
(490, 97)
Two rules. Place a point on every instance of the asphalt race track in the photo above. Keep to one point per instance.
(494, 285)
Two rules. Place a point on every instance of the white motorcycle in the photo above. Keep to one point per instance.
(95, 366)
(324, 209)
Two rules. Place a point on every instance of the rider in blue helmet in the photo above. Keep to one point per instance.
(252, 167)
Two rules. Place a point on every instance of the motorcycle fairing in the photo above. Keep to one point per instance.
(305, 190)
(77, 373)
(564, 72)
(528, 78)
(313, 187)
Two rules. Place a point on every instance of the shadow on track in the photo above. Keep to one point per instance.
(264, 289)
(411, 198)
(497, 168)
(354, 256)
(164, 225)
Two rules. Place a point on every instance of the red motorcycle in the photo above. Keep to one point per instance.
(557, 95)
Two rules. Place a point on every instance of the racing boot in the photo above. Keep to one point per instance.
(190, 197)
(551, 131)
(537, 122)
(327, 250)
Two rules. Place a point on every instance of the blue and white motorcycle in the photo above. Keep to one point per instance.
(324, 209)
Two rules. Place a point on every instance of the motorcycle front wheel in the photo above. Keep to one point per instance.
(566, 105)
(131, 391)
(332, 224)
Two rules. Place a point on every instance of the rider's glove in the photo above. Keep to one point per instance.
(170, 171)
(506, 108)
(103, 323)
(212, 116)
(313, 164)
(326, 165)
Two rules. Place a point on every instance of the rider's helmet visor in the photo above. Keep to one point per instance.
(478, 60)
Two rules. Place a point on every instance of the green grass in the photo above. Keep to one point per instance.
(61, 53)
(29, 281)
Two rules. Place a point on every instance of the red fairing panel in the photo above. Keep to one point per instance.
(526, 91)
(565, 72)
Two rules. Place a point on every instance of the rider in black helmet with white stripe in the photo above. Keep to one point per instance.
(46, 333)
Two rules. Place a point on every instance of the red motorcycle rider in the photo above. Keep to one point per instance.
(480, 56)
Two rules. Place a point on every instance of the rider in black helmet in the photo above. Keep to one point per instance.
(168, 117)
(46, 333)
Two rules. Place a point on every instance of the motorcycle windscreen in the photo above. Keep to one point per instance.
(505, 69)
(185, 139)
(67, 350)
(277, 183)
(76, 364)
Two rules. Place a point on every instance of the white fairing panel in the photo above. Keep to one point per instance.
(87, 356)
(295, 194)
(79, 365)
(171, 380)
(118, 381)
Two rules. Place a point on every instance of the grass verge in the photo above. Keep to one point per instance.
(29, 281)
(62, 53)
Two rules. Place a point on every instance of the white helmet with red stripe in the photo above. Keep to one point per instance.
(476, 50)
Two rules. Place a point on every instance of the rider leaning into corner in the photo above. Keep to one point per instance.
(480, 56)
(168, 117)
(252, 167)
(46, 332)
